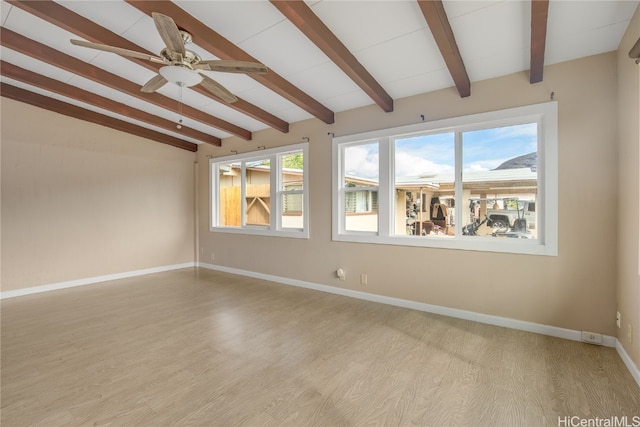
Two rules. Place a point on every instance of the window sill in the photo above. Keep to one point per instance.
(257, 231)
(467, 243)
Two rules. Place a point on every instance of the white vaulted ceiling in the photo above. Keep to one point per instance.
(391, 40)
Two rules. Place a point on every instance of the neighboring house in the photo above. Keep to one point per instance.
(481, 190)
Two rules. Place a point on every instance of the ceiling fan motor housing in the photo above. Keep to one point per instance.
(189, 59)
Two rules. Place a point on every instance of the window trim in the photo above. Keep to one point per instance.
(545, 114)
(275, 179)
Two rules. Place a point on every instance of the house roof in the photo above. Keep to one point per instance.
(520, 180)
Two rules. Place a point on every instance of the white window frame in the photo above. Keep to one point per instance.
(545, 115)
(275, 228)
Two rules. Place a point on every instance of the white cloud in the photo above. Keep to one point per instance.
(361, 161)
(410, 165)
(483, 165)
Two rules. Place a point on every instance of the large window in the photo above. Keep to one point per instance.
(265, 192)
(481, 182)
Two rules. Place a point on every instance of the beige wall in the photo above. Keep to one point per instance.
(574, 290)
(629, 179)
(81, 200)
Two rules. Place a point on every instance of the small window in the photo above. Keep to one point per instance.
(257, 196)
(291, 191)
(261, 193)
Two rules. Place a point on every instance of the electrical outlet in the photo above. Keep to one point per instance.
(363, 278)
(213, 256)
(618, 318)
(629, 333)
(591, 337)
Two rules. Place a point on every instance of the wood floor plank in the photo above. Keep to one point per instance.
(200, 347)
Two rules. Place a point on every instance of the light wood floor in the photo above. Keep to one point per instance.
(197, 347)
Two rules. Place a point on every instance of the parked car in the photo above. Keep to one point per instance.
(514, 210)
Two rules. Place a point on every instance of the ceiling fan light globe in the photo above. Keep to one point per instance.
(181, 76)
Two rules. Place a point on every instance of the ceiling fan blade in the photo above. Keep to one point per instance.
(200, 66)
(218, 90)
(154, 84)
(119, 51)
(170, 33)
(231, 66)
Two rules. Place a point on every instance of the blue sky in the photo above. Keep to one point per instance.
(482, 150)
(487, 149)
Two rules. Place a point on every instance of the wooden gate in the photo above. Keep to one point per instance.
(258, 205)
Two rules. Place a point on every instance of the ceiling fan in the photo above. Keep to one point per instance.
(182, 67)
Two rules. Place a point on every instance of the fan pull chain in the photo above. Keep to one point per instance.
(179, 125)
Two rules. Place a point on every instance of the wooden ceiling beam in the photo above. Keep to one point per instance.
(539, 16)
(77, 24)
(436, 17)
(219, 46)
(34, 79)
(311, 26)
(19, 43)
(35, 99)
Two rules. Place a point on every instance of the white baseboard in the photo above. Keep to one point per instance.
(635, 372)
(505, 322)
(92, 280)
(554, 331)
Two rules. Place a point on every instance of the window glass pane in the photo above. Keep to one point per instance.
(292, 171)
(229, 195)
(292, 182)
(424, 185)
(361, 180)
(500, 181)
(258, 192)
(292, 213)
